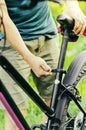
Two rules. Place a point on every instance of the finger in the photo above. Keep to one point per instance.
(46, 73)
(45, 70)
(43, 73)
(77, 30)
(79, 23)
(83, 29)
(45, 67)
(76, 25)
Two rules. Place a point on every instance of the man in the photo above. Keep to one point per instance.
(36, 27)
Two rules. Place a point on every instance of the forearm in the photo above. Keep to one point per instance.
(12, 35)
(14, 38)
(71, 5)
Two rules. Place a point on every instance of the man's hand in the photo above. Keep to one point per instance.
(39, 66)
(80, 22)
(72, 9)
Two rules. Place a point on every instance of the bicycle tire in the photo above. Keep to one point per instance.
(72, 78)
(82, 73)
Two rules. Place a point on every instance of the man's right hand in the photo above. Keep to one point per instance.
(39, 66)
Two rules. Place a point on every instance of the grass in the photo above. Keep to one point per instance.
(34, 114)
(1, 120)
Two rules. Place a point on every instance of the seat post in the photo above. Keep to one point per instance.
(60, 65)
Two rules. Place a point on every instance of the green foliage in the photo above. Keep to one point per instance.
(1, 120)
(82, 6)
(34, 114)
(56, 9)
(74, 48)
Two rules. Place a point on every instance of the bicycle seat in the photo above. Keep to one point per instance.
(66, 22)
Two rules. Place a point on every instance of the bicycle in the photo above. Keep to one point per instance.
(65, 88)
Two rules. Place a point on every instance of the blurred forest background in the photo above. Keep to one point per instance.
(34, 114)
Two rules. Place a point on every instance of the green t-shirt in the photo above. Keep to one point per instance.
(32, 22)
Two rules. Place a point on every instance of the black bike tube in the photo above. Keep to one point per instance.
(12, 108)
(57, 87)
(59, 67)
(25, 86)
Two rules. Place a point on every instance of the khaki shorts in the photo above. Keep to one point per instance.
(49, 51)
(17, 61)
(45, 48)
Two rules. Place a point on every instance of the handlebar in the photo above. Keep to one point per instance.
(59, 30)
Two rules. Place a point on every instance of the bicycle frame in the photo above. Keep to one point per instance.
(10, 104)
(6, 98)
(54, 112)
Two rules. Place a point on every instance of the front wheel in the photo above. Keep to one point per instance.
(80, 84)
(72, 119)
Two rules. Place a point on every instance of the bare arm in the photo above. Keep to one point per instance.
(12, 35)
(73, 10)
